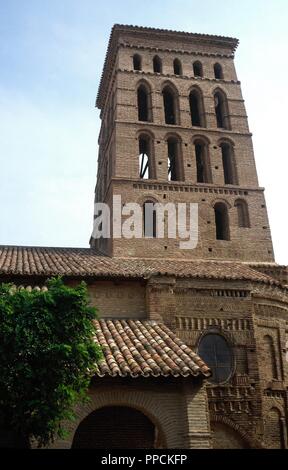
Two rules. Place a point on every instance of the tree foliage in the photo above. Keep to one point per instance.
(47, 357)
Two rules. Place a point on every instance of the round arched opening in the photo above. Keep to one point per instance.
(117, 427)
(216, 352)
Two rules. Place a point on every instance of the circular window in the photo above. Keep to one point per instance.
(216, 352)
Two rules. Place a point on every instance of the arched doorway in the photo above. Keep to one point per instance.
(116, 427)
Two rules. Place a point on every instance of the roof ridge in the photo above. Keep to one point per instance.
(88, 262)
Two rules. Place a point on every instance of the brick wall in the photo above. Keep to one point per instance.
(244, 313)
(118, 299)
(161, 400)
(119, 147)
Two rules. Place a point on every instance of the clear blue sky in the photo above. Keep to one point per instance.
(51, 57)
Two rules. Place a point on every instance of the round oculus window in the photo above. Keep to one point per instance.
(217, 354)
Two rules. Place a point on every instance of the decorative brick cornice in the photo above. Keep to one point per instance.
(175, 51)
(185, 186)
(181, 77)
(176, 127)
(113, 45)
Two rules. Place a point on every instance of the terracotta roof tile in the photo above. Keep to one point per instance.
(85, 262)
(144, 348)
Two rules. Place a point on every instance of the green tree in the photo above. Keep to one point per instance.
(47, 357)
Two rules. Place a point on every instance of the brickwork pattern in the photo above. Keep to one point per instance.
(118, 166)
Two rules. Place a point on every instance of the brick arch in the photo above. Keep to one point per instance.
(145, 197)
(144, 82)
(139, 401)
(218, 330)
(173, 135)
(117, 427)
(219, 89)
(195, 87)
(202, 137)
(222, 200)
(277, 408)
(250, 441)
(170, 84)
(145, 131)
(225, 140)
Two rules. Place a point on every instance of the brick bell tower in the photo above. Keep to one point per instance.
(174, 129)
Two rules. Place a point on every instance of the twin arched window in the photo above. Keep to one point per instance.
(146, 160)
(222, 218)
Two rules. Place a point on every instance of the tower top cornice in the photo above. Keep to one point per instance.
(129, 31)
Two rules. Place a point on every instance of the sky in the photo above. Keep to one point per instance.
(51, 58)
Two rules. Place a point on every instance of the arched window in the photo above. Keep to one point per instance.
(149, 219)
(146, 167)
(169, 100)
(269, 357)
(216, 352)
(197, 69)
(218, 72)
(221, 221)
(243, 214)
(228, 163)
(144, 103)
(137, 62)
(174, 159)
(202, 162)
(157, 64)
(177, 66)
(196, 108)
(221, 110)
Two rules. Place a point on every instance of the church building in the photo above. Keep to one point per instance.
(194, 340)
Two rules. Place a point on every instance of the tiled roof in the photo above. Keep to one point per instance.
(144, 348)
(86, 262)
